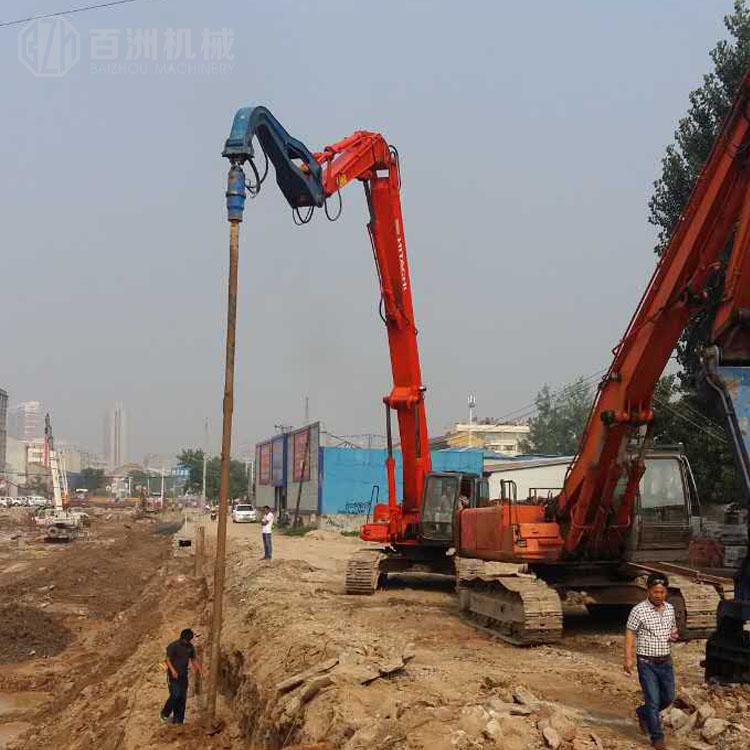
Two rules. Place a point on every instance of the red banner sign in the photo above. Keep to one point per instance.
(264, 459)
(301, 453)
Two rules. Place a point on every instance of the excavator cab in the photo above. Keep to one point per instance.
(444, 494)
(666, 505)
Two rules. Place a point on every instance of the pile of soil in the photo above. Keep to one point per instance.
(27, 633)
(15, 518)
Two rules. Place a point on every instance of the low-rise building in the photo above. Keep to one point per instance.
(497, 437)
(34, 452)
(15, 460)
(294, 467)
(26, 420)
(71, 456)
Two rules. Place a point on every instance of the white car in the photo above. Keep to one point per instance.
(244, 514)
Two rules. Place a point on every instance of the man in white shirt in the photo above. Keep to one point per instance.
(265, 532)
(650, 631)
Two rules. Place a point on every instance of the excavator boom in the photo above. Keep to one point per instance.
(597, 502)
(308, 180)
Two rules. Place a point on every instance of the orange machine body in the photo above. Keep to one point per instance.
(509, 532)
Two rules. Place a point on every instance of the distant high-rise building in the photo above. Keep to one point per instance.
(26, 421)
(116, 436)
(3, 428)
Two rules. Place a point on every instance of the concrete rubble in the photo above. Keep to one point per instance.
(710, 716)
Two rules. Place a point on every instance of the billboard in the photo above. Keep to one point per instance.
(301, 455)
(264, 463)
(277, 462)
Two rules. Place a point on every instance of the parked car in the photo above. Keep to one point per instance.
(244, 514)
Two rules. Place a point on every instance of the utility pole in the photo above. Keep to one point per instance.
(235, 207)
(307, 410)
(205, 461)
(472, 402)
(302, 478)
(249, 467)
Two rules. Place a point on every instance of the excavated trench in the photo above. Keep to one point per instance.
(252, 711)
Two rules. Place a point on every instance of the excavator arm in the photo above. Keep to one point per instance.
(307, 181)
(596, 505)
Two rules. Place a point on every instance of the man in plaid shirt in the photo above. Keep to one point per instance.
(649, 634)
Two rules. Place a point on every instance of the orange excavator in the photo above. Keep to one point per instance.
(609, 524)
(415, 529)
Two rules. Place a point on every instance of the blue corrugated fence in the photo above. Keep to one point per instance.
(348, 474)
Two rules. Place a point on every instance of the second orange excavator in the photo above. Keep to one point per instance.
(612, 522)
(515, 561)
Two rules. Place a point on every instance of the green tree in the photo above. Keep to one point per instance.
(689, 416)
(150, 481)
(92, 479)
(193, 460)
(560, 418)
(679, 420)
(684, 158)
(138, 478)
(237, 478)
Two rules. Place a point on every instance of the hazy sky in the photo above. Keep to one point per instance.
(529, 134)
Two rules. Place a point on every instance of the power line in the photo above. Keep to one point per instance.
(683, 403)
(69, 12)
(682, 410)
(681, 415)
(565, 390)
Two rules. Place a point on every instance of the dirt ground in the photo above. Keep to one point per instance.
(397, 670)
(70, 613)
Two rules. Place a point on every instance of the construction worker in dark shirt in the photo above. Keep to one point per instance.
(180, 656)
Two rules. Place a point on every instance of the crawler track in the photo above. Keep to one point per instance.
(363, 572)
(695, 607)
(504, 599)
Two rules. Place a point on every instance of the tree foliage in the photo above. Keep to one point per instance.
(92, 480)
(138, 478)
(560, 418)
(689, 417)
(193, 459)
(684, 158)
(680, 419)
